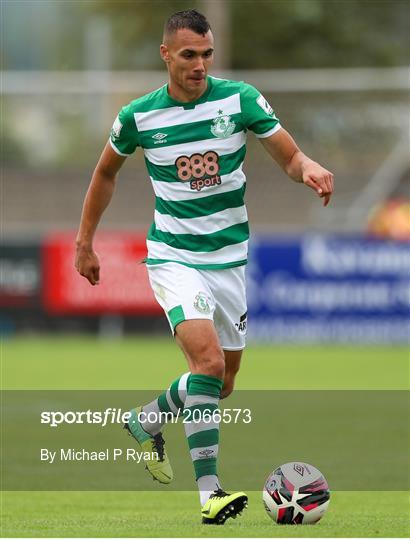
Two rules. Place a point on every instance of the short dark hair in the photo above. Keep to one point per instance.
(191, 19)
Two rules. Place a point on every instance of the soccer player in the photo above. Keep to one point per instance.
(193, 134)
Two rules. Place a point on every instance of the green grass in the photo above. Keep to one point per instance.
(86, 363)
(154, 514)
(80, 363)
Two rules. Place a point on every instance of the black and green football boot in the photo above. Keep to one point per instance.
(159, 465)
(221, 506)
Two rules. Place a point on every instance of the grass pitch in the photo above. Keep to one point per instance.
(149, 363)
(152, 363)
(155, 514)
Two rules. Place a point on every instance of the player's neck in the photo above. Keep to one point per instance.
(180, 94)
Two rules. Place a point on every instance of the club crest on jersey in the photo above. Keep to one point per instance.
(222, 126)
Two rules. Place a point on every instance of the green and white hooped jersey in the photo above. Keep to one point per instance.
(194, 154)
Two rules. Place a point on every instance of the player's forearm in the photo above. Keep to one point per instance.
(98, 197)
(296, 166)
(284, 150)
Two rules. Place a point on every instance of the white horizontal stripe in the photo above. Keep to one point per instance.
(201, 225)
(181, 191)
(270, 132)
(227, 254)
(167, 155)
(182, 386)
(171, 404)
(201, 400)
(176, 116)
(116, 149)
(208, 452)
(197, 427)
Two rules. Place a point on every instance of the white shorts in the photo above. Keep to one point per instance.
(218, 295)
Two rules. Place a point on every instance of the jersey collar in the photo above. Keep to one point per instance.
(190, 104)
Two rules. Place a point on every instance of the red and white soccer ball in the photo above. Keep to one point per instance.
(296, 493)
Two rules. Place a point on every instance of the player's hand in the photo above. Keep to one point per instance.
(319, 179)
(87, 264)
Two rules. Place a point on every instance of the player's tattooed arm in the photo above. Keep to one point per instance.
(284, 150)
(98, 197)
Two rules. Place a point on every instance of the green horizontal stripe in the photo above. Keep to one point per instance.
(203, 206)
(174, 393)
(163, 403)
(205, 385)
(220, 266)
(197, 131)
(207, 437)
(202, 242)
(205, 467)
(168, 173)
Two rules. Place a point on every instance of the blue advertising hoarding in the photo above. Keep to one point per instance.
(315, 288)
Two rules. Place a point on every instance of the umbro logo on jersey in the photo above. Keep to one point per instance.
(159, 138)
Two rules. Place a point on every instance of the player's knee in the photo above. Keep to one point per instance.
(209, 360)
(215, 364)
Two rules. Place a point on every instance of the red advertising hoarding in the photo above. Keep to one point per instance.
(123, 289)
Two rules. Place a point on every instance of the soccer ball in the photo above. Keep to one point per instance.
(296, 493)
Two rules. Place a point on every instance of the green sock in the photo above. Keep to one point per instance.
(168, 404)
(201, 427)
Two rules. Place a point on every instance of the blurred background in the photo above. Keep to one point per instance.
(337, 74)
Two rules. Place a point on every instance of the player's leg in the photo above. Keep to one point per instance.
(232, 365)
(200, 344)
(146, 422)
(182, 294)
(199, 341)
(228, 288)
(189, 305)
(228, 291)
(166, 407)
(170, 404)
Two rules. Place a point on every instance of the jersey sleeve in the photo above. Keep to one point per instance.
(124, 133)
(257, 114)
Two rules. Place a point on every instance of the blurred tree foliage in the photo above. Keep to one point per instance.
(273, 33)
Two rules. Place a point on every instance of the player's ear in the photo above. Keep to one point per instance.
(164, 52)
